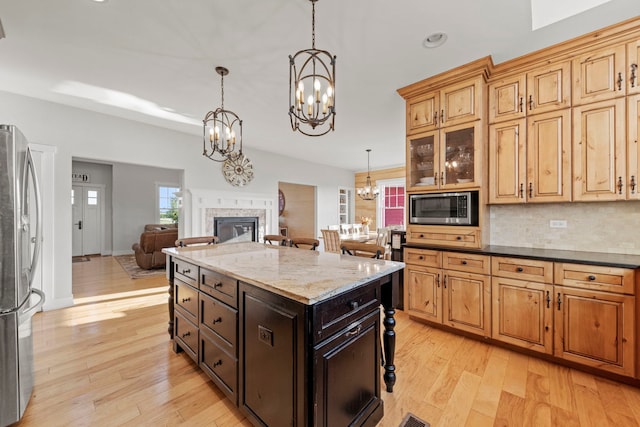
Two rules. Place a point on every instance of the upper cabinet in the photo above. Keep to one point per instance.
(633, 147)
(454, 104)
(600, 75)
(540, 90)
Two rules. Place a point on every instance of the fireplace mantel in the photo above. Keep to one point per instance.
(199, 207)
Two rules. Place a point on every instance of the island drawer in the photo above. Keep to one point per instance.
(424, 257)
(608, 279)
(342, 310)
(472, 263)
(186, 298)
(186, 334)
(522, 269)
(219, 286)
(219, 318)
(186, 272)
(219, 365)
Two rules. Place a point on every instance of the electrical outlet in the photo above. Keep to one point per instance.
(558, 223)
(265, 335)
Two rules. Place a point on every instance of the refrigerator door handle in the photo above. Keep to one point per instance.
(36, 307)
(38, 242)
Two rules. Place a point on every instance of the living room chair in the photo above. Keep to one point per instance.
(305, 243)
(277, 240)
(331, 240)
(368, 250)
(191, 241)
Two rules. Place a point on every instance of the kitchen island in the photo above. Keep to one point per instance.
(291, 336)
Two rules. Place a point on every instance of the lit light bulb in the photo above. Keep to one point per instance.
(310, 105)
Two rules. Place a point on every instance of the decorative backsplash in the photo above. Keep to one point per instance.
(612, 227)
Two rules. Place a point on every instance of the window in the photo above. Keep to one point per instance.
(391, 202)
(168, 204)
(92, 197)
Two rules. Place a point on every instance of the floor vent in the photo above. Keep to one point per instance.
(411, 420)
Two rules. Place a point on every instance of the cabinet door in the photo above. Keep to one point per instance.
(549, 157)
(506, 99)
(549, 88)
(460, 156)
(633, 148)
(467, 302)
(595, 329)
(599, 75)
(347, 375)
(522, 313)
(599, 151)
(422, 113)
(461, 103)
(423, 293)
(633, 77)
(422, 161)
(507, 162)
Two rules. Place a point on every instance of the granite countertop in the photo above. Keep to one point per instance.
(556, 255)
(299, 274)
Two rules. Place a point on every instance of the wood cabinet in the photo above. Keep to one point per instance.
(458, 296)
(633, 148)
(456, 103)
(599, 151)
(448, 158)
(522, 314)
(595, 319)
(531, 164)
(600, 75)
(633, 58)
(543, 89)
(443, 235)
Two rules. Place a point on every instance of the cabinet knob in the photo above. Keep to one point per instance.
(464, 262)
(592, 278)
(458, 237)
(420, 257)
(519, 269)
(354, 305)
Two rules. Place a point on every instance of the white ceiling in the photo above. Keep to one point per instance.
(153, 60)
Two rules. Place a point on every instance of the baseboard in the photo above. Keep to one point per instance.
(122, 252)
(57, 303)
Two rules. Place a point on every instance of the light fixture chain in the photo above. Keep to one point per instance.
(313, 24)
(222, 91)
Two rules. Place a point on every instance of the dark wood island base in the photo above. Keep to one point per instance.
(283, 361)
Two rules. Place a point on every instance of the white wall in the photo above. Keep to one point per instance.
(87, 135)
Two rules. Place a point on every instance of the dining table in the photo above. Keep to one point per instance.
(359, 237)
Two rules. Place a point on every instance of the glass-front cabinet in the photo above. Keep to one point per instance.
(445, 158)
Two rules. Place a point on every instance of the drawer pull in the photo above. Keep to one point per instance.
(186, 334)
(422, 236)
(458, 237)
(218, 320)
(217, 285)
(186, 299)
(519, 269)
(354, 331)
(421, 258)
(464, 262)
(186, 271)
(444, 281)
(592, 278)
(217, 363)
(548, 300)
(559, 300)
(354, 305)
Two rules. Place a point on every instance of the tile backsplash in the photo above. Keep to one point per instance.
(612, 227)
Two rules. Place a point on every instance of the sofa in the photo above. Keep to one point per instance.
(148, 250)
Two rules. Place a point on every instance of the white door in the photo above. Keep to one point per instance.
(86, 207)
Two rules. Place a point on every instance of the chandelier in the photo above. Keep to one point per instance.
(316, 70)
(219, 129)
(368, 192)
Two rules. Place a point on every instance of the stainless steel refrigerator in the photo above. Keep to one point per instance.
(20, 213)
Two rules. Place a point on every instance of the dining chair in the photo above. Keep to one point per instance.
(304, 243)
(382, 239)
(333, 227)
(277, 240)
(356, 228)
(362, 249)
(346, 229)
(331, 240)
(191, 241)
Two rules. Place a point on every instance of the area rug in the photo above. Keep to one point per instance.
(128, 264)
(411, 420)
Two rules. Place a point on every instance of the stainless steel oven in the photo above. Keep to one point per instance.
(459, 208)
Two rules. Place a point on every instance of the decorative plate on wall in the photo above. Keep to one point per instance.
(237, 170)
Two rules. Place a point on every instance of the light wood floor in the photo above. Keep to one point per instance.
(107, 361)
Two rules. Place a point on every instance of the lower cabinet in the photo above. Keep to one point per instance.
(581, 313)
(456, 296)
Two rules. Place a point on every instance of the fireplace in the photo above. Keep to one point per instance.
(234, 229)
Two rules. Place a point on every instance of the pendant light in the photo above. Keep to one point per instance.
(313, 70)
(222, 129)
(368, 192)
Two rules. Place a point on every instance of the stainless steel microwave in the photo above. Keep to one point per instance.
(444, 208)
